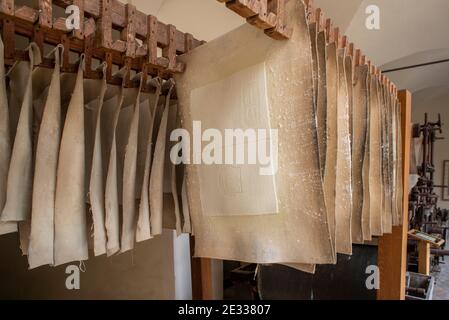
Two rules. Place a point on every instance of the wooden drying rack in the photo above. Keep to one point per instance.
(392, 249)
(136, 49)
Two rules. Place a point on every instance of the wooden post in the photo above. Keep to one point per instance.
(201, 276)
(424, 258)
(392, 252)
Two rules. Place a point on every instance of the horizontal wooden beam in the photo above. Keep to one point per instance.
(268, 15)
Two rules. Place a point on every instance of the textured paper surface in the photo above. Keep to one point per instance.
(70, 207)
(387, 219)
(322, 98)
(366, 217)
(5, 144)
(97, 177)
(157, 176)
(111, 188)
(299, 233)
(359, 130)
(20, 175)
(228, 190)
(143, 231)
(343, 192)
(129, 223)
(41, 247)
(330, 174)
(375, 174)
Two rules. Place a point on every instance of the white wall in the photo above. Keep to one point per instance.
(434, 101)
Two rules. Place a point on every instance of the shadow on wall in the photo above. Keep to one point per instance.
(145, 273)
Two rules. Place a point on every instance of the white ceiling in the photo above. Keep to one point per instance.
(412, 31)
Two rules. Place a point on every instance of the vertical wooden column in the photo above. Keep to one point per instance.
(201, 276)
(392, 254)
(424, 258)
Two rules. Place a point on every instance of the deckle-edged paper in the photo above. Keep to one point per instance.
(299, 233)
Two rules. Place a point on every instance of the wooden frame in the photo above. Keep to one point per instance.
(140, 37)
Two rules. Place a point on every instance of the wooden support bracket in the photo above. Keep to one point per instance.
(268, 15)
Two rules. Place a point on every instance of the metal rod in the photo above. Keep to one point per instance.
(416, 66)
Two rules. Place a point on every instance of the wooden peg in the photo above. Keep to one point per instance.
(319, 19)
(9, 41)
(108, 59)
(265, 19)
(79, 33)
(130, 31)
(152, 39)
(310, 12)
(7, 7)
(169, 51)
(45, 14)
(357, 58)
(343, 42)
(328, 28)
(351, 49)
(105, 27)
(281, 31)
(89, 43)
(336, 37)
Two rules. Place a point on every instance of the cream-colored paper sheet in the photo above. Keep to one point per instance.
(5, 144)
(387, 218)
(97, 177)
(322, 99)
(330, 174)
(41, 247)
(112, 207)
(359, 130)
(343, 192)
(70, 207)
(143, 231)
(236, 188)
(20, 174)
(130, 214)
(156, 190)
(299, 233)
(375, 173)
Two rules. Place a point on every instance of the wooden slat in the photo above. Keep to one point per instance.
(45, 13)
(7, 7)
(424, 258)
(392, 251)
(80, 32)
(268, 15)
(201, 276)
